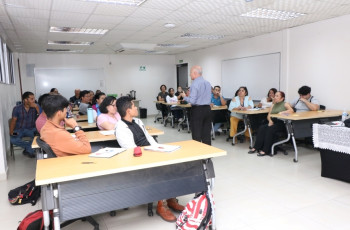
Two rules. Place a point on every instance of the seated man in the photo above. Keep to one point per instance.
(56, 136)
(131, 133)
(23, 123)
(76, 98)
(84, 102)
(305, 102)
(218, 100)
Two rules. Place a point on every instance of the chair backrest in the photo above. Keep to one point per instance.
(158, 105)
(46, 148)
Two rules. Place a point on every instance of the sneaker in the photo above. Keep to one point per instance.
(219, 130)
(180, 119)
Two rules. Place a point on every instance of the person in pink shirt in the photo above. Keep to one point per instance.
(109, 116)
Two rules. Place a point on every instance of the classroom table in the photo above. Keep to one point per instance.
(79, 186)
(84, 125)
(247, 123)
(80, 117)
(299, 125)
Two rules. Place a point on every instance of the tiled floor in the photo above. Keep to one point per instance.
(251, 193)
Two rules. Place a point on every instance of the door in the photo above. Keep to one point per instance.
(182, 75)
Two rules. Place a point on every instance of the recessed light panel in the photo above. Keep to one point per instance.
(173, 45)
(77, 30)
(119, 2)
(64, 50)
(69, 43)
(272, 14)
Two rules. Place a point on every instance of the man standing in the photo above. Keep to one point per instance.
(217, 100)
(23, 123)
(56, 136)
(200, 97)
(130, 133)
(305, 102)
(76, 98)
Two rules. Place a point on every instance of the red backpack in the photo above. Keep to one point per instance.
(34, 221)
(196, 215)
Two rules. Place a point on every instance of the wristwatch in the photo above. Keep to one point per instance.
(76, 129)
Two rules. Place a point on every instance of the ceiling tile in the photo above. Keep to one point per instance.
(115, 10)
(105, 19)
(66, 23)
(32, 4)
(150, 13)
(166, 5)
(59, 15)
(73, 6)
(14, 12)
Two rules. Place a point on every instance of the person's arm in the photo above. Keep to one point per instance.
(70, 144)
(250, 104)
(288, 108)
(233, 105)
(223, 101)
(269, 116)
(150, 139)
(310, 105)
(13, 125)
(167, 99)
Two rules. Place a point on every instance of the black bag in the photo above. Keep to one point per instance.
(28, 193)
(347, 122)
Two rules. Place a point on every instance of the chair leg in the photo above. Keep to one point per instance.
(150, 209)
(93, 222)
(12, 151)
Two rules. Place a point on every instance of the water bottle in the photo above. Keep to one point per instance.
(344, 115)
(90, 115)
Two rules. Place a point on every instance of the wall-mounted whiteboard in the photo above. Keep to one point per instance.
(257, 73)
(67, 80)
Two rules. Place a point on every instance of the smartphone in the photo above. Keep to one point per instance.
(14, 134)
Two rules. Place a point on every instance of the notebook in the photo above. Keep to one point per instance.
(107, 152)
(163, 148)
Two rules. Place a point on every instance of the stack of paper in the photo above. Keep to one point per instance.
(163, 148)
(107, 152)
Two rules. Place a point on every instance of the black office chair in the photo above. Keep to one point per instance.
(159, 109)
(50, 154)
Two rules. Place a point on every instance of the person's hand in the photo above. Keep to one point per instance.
(211, 105)
(303, 100)
(183, 95)
(33, 105)
(244, 108)
(270, 123)
(70, 122)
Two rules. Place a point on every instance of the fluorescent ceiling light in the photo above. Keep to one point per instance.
(64, 50)
(77, 30)
(119, 2)
(272, 14)
(138, 46)
(156, 52)
(173, 45)
(202, 36)
(69, 43)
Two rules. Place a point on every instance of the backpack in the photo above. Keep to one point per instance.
(28, 193)
(196, 215)
(34, 221)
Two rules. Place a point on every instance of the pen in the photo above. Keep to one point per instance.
(88, 162)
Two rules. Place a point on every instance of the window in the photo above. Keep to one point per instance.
(2, 72)
(6, 64)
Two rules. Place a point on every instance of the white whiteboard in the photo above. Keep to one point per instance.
(67, 80)
(257, 73)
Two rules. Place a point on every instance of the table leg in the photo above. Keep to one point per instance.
(247, 122)
(245, 117)
(210, 182)
(56, 213)
(212, 131)
(46, 214)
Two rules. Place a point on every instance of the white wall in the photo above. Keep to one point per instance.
(314, 55)
(9, 95)
(121, 72)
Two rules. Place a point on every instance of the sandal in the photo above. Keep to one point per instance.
(261, 154)
(252, 151)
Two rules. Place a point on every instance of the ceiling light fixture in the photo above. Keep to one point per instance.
(272, 14)
(69, 43)
(202, 36)
(119, 2)
(169, 25)
(77, 30)
(64, 50)
(173, 45)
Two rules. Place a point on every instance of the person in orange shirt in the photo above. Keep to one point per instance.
(56, 136)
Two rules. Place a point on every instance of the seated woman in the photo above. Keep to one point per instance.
(171, 98)
(162, 98)
(109, 116)
(99, 97)
(241, 101)
(266, 102)
(266, 133)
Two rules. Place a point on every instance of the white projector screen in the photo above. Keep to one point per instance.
(257, 73)
(67, 80)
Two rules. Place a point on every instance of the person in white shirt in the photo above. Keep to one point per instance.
(266, 102)
(131, 132)
(172, 98)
